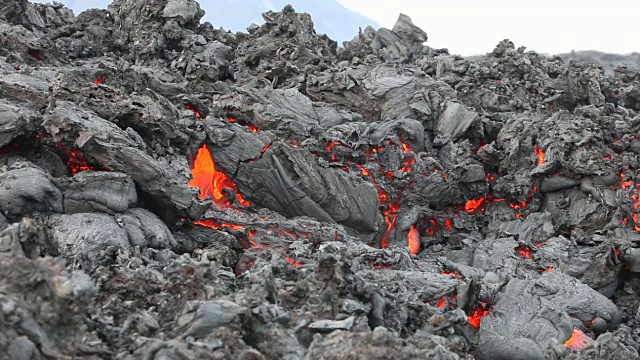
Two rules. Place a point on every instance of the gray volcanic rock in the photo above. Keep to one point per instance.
(268, 195)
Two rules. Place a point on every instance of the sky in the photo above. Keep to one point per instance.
(470, 27)
(473, 27)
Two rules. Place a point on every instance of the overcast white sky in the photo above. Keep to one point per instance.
(470, 27)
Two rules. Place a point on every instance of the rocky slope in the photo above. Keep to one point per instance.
(173, 191)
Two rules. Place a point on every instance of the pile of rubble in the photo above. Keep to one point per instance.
(173, 191)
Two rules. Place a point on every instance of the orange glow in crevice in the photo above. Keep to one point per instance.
(472, 206)
(476, 316)
(100, 80)
(578, 340)
(198, 114)
(540, 155)
(78, 163)
(524, 251)
(625, 184)
(216, 225)
(212, 182)
(414, 240)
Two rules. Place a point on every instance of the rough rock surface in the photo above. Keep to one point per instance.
(169, 190)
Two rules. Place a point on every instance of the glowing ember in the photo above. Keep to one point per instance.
(578, 340)
(450, 273)
(442, 302)
(550, 268)
(472, 206)
(414, 240)
(524, 251)
(518, 205)
(491, 177)
(448, 224)
(216, 225)
(625, 184)
(293, 262)
(476, 316)
(198, 114)
(100, 80)
(384, 242)
(253, 128)
(212, 182)
(330, 145)
(77, 162)
(540, 155)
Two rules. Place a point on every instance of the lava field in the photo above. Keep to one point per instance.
(170, 191)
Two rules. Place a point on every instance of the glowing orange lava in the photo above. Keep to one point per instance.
(472, 206)
(293, 262)
(100, 80)
(476, 316)
(524, 251)
(216, 225)
(414, 240)
(540, 155)
(212, 182)
(198, 114)
(77, 162)
(253, 128)
(625, 184)
(448, 224)
(578, 340)
(442, 302)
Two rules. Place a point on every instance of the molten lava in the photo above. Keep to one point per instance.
(212, 182)
(578, 340)
(448, 224)
(476, 316)
(198, 114)
(625, 184)
(77, 162)
(524, 251)
(100, 80)
(293, 262)
(216, 225)
(540, 155)
(414, 240)
(442, 302)
(472, 206)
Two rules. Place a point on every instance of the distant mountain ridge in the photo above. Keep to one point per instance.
(607, 60)
(329, 16)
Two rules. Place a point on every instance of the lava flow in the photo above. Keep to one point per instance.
(524, 251)
(212, 182)
(198, 114)
(476, 316)
(578, 340)
(414, 240)
(100, 80)
(540, 155)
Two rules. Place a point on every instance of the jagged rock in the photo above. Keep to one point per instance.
(27, 189)
(108, 192)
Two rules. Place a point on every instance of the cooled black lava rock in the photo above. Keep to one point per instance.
(379, 200)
